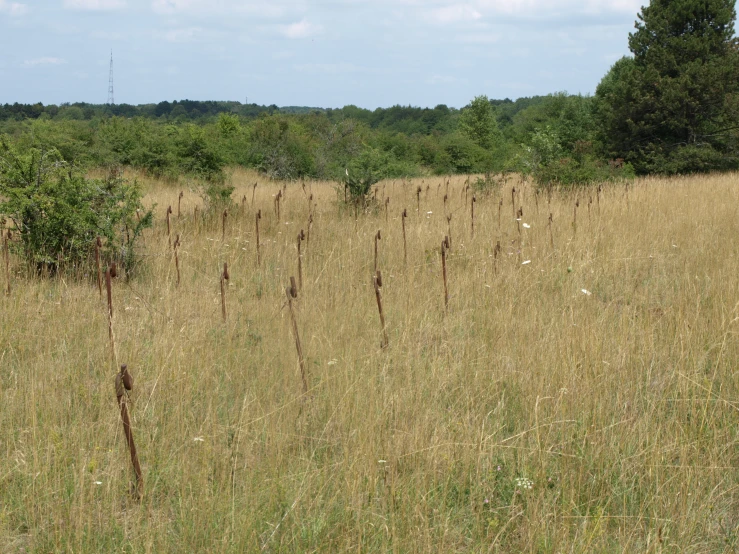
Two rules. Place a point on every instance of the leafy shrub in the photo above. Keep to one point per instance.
(369, 167)
(279, 150)
(58, 212)
(551, 163)
(196, 156)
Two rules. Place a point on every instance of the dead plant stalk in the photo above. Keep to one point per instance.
(224, 278)
(377, 282)
(123, 383)
(292, 294)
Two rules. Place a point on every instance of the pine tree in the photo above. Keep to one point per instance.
(674, 107)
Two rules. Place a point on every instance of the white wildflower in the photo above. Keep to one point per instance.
(586, 292)
(524, 483)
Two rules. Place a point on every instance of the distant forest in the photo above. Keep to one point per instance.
(201, 138)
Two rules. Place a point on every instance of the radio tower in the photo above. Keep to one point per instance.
(111, 100)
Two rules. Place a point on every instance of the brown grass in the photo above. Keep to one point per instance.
(603, 371)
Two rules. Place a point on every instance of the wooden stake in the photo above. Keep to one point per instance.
(6, 255)
(98, 245)
(307, 234)
(444, 247)
(169, 229)
(405, 247)
(110, 273)
(378, 237)
(224, 277)
(277, 205)
(551, 233)
(257, 218)
(377, 282)
(292, 293)
(301, 238)
(123, 383)
(176, 258)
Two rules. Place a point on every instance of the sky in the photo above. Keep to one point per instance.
(324, 53)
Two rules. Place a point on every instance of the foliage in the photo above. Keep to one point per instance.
(674, 107)
(58, 212)
(364, 171)
(279, 149)
(458, 153)
(196, 156)
(478, 123)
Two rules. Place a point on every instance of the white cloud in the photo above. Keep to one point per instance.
(44, 61)
(14, 9)
(301, 29)
(455, 13)
(537, 7)
(94, 5)
(172, 6)
(189, 34)
(441, 11)
(273, 9)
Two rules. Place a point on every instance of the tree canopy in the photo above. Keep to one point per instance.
(673, 107)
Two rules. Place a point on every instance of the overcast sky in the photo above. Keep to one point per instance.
(326, 53)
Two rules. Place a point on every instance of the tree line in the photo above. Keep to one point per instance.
(670, 107)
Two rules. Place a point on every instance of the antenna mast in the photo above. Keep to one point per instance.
(111, 100)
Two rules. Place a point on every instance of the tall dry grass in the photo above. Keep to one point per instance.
(602, 374)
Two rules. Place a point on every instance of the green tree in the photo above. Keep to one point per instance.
(228, 124)
(674, 108)
(58, 212)
(478, 122)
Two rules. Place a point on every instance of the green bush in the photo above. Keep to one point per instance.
(58, 212)
(196, 156)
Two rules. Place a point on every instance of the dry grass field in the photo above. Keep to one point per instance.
(579, 394)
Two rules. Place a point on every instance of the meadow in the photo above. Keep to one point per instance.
(579, 392)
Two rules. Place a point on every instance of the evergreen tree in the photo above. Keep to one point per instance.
(674, 107)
